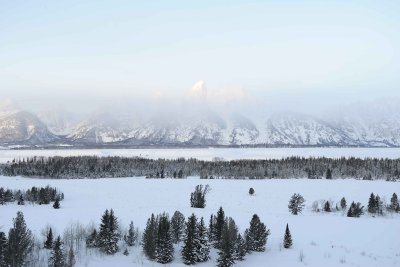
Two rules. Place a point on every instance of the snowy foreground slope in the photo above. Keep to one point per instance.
(324, 239)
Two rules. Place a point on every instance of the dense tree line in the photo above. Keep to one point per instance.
(38, 195)
(291, 167)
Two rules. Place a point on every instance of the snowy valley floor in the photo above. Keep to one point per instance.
(325, 239)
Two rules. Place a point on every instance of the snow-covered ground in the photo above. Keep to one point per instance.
(325, 239)
(210, 153)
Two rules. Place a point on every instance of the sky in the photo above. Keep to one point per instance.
(300, 55)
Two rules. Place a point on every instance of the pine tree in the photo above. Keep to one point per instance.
(48, 244)
(71, 258)
(149, 237)
(379, 205)
(57, 258)
(256, 235)
(91, 240)
(20, 242)
(355, 210)
(177, 226)
(132, 236)
(201, 242)
(189, 249)
(343, 203)
(126, 252)
(56, 204)
(372, 204)
(287, 241)
(164, 249)
(108, 235)
(328, 174)
(198, 197)
(394, 203)
(296, 204)
(327, 207)
(3, 249)
(240, 248)
(219, 224)
(251, 191)
(211, 229)
(226, 255)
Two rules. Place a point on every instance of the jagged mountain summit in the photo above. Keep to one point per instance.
(376, 124)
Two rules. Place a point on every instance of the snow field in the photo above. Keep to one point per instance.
(325, 239)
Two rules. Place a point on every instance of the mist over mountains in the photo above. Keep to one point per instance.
(197, 121)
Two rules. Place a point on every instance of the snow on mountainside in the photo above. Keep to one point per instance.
(372, 124)
(24, 128)
(299, 129)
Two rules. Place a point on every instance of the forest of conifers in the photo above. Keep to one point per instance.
(291, 167)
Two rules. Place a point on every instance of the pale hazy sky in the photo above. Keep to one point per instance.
(302, 52)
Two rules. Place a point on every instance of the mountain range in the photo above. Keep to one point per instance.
(363, 124)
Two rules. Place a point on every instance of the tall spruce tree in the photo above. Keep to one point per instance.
(219, 224)
(3, 249)
(108, 235)
(256, 235)
(201, 242)
(20, 242)
(211, 229)
(189, 254)
(394, 203)
(57, 258)
(287, 240)
(132, 235)
(149, 237)
(48, 244)
(327, 206)
(91, 240)
(177, 226)
(226, 255)
(164, 252)
(372, 204)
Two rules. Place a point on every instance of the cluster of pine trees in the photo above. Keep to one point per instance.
(376, 205)
(291, 167)
(38, 195)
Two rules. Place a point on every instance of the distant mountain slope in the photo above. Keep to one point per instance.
(374, 124)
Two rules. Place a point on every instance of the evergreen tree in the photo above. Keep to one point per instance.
(379, 205)
(343, 203)
(132, 236)
(3, 249)
(189, 255)
(226, 255)
(296, 204)
(48, 244)
(91, 240)
(251, 191)
(71, 258)
(256, 235)
(394, 203)
(149, 237)
(211, 229)
(327, 207)
(177, 226)
(219, 224)
(56, 204)
(287, 241)
(372, 205)
(201, 242)
(108, 235)
(328, 174)
(240, 248)
(126, 252)
(164, 249)
(57, 258)
(355, 210)
(198, 197)
(20, 242)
